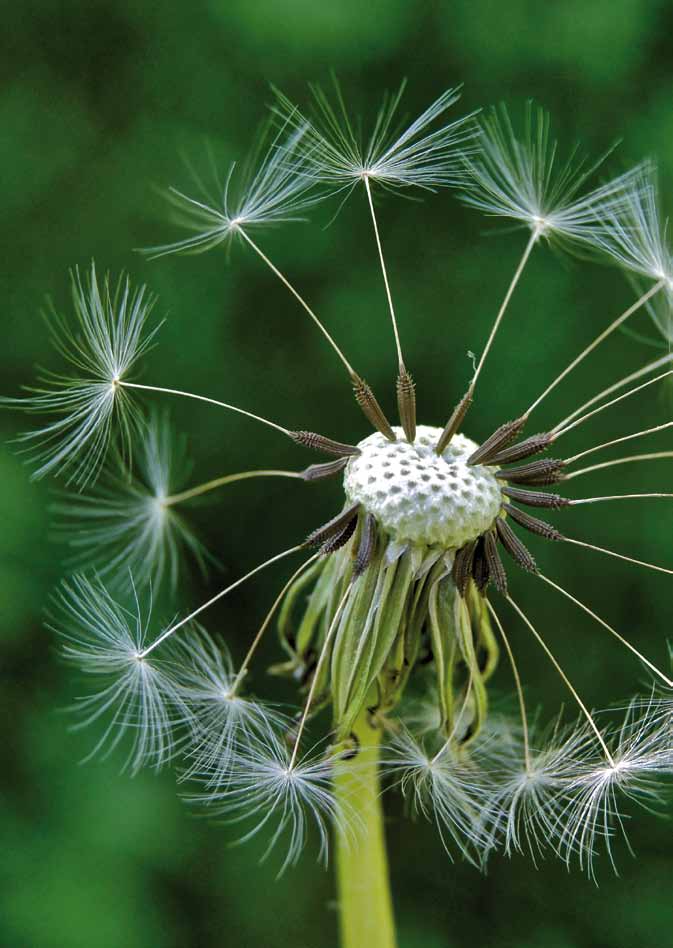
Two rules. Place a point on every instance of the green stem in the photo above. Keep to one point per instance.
(365, 904)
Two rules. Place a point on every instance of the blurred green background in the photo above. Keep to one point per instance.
(98, 101)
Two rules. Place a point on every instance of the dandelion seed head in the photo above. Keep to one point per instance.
(400, 588)
(419, 496)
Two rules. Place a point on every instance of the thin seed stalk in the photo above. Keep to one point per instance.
(363, 883)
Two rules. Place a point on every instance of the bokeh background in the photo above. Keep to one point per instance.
(98, 102)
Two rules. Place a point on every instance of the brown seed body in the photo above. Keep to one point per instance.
(501, 437)
(366, 399)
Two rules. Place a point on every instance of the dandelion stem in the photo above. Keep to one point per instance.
(505, 303)
(264, 626)
(609, 444)
(563, 427)
(192, 615)
(625, 460)
(384, 272)
(211, 401)
(365, 903)
(653, 668)
(221, 482)
(316, 674)
(650, 367)
(566, 680)
(615, 324)
(300, 299)
(518, 685)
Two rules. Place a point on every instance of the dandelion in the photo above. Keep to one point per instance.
(401, 600)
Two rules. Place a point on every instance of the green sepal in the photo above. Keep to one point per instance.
(443, 636)
(487, 644)
(476, 702)
(353, 631)
(364, 648)
(286, 633)
(302, 642)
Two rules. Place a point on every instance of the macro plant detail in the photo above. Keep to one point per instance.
(394, 623)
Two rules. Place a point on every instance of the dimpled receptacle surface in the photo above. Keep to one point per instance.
(419, 496)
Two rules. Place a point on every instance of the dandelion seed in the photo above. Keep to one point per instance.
(522, 178)
(222, 720)
(278, 191)
(591, 815)
(141, 698)
(275, 190)
(443, 789)
(263, 786)
(526, 800)
(102, 349)
(587, 714)
(129, 523)
(411, 156)
(633, 232)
